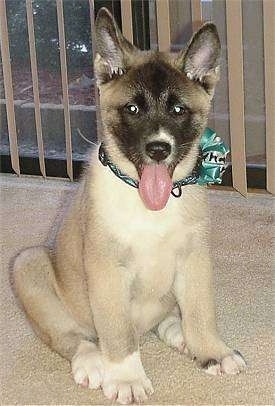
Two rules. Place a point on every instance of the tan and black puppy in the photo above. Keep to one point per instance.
(128, 260)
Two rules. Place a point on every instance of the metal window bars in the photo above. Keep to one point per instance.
(233, 16)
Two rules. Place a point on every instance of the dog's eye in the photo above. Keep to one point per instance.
(132, 108)
(179, 110)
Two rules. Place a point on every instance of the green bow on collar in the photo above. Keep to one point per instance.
(213, 163)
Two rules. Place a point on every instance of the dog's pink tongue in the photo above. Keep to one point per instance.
(155, 186)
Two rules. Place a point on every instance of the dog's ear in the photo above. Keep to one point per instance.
(200, 61)
(113, 51)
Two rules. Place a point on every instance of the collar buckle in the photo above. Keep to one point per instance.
(177, 185)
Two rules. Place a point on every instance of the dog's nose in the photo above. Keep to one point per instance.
(158, 150)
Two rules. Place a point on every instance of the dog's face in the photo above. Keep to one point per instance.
(154, 106)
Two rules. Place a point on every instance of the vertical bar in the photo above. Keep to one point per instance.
(152, 25)
(143, 25)
(269, 65)
(127, 19)
(221, 102)
(196, 14)
(180, 16)
(163, 25)
(4, 41)
(236, 94)
(35, 87)
(64, 78)
(113, 8)
(92, 21)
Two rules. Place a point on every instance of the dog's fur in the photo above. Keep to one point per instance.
(119, 269)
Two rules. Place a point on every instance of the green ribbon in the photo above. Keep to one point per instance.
(213, 164)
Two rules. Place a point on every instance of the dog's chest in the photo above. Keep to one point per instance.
(152, 240)
(153, 273)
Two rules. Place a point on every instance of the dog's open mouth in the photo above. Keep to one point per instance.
(155, 186)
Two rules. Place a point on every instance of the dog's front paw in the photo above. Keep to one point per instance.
(87, 366)
(231, 364)
(123, 392)
(126, 381)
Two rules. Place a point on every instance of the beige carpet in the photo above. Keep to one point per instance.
(241, 245)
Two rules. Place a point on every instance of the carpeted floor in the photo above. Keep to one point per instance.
(242, 248)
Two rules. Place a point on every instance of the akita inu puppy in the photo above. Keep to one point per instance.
(128, 260)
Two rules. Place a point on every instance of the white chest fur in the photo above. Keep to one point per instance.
(153, 237)
(125, 215)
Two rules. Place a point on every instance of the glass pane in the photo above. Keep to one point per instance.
(22, 83)
(81, 82)
(47, 48)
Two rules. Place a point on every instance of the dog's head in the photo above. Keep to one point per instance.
(154, 105)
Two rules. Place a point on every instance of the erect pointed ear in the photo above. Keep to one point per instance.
(200, 61)
(113, 51)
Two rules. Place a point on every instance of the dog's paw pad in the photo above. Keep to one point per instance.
(212, 367)
(126, 393)
(231, 365)
(87, 367)
(139, 393)
(81, 378)
(183, 349)
(110, 391)
(88, 379)
(170, 331)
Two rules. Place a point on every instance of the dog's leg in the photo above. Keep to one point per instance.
(195, 294)
(34, 276)
(124, 377)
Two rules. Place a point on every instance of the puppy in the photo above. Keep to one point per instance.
(131, 259)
